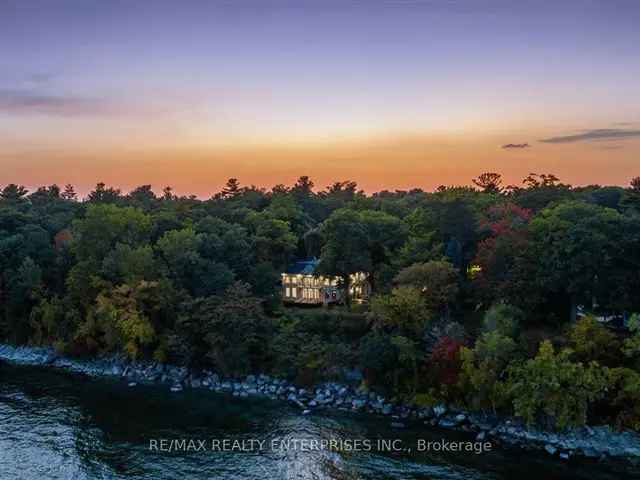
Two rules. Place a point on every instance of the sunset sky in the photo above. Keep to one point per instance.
(392, 94)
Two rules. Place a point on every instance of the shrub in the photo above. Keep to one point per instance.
(627, 384)
(631, 346)
(407, 373)
(378, 357)
(436, 331)
(552, 385)
(591, 341)
(481, 378)
(443, 369)
(504, 319)
(299, 355)
(405, 309)
(427, 399)
(437, 280)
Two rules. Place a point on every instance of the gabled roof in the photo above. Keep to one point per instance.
(303, 267)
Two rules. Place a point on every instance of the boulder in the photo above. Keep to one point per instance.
(357, 404)
(550, 449)
(460, 418)
(446, 423)
(590, 452)
(439, 410)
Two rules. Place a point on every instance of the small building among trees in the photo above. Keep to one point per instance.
(302, 285)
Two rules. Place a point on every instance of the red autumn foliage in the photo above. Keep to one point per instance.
(498, 252)
(506, 218)
(445, 360)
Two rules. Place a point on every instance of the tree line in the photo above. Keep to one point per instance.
(475, 289)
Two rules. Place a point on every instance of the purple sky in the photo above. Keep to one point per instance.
(101, 84)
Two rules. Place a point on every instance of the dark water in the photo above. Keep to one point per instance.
(56, 425)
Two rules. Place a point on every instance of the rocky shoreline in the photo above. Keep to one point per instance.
(599, 443)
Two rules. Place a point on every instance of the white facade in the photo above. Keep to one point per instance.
(312, 289)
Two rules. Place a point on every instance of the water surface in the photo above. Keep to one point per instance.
(58, 425)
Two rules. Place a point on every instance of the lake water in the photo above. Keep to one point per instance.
(57, 425)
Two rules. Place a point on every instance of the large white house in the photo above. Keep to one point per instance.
(301, 285)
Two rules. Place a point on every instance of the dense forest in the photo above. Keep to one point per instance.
(476, 290)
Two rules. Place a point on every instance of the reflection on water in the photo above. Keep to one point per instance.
(55, 425)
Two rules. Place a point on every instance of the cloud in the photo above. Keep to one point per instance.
(516, 145)
(33, 102)
(597, 134)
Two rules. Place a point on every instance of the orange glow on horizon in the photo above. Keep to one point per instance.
(385, 162)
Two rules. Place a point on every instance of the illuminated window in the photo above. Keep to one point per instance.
(473, 271)
(294, 292)
(287, 292)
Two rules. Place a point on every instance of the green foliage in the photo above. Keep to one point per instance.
(589, 341)
(482, 376)
(428, 399)
(436, 279)
(504, 319)
(228, 243)
(106, 225)
(122, 318)
(343, 253)
(552, 385)
(420, 249)
(124, 264)
(408, 357)
(378, 356)
(631, 346)
(53, 320)
(308, 350)
(229, 330)
(626, 384)
(359, 241)
(575, 243)
(274, 241)
(405, 309)
(188, 268)
(194, 281)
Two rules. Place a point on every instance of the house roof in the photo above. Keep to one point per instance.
(303, 267)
